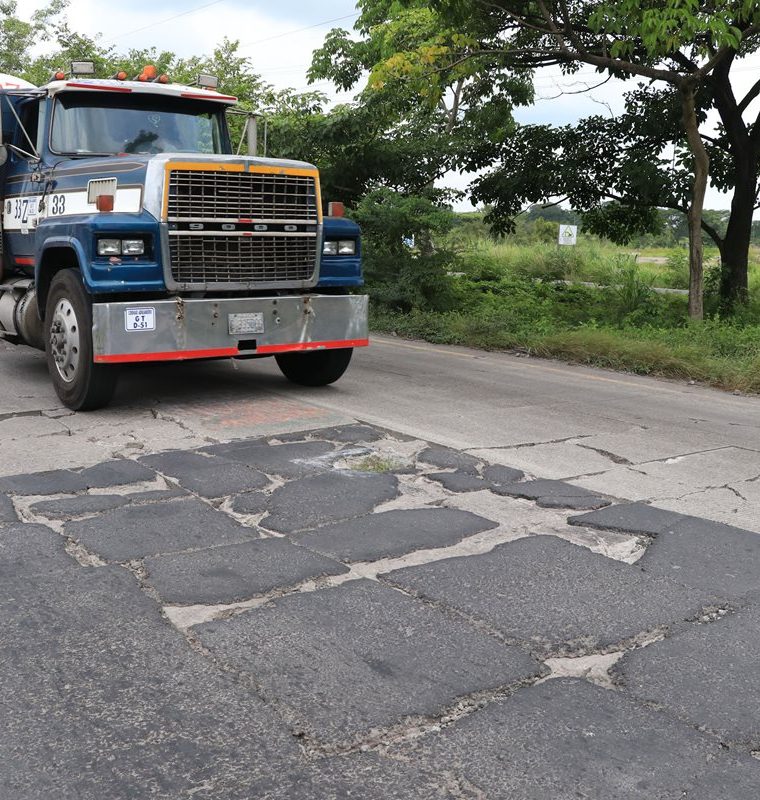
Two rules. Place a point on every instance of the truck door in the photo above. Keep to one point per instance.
(22, 191)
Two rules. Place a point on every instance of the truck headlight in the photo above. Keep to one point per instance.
(330, 248)
(132, 247)
(121, 247)
(347, 247)
(109, 247)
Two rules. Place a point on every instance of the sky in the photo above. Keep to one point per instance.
(279, 37)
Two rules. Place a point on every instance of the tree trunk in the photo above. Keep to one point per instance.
(699, 187)
(735, 250)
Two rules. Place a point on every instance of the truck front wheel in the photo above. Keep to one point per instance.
(81, 384)
(317, 368)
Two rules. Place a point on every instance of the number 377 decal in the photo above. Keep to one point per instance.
(25, 211)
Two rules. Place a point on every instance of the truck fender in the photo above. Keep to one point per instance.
(57, 253)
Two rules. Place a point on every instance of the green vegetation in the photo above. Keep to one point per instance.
(376, 463)
(531, 296)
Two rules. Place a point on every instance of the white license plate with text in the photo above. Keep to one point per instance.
(140, 319)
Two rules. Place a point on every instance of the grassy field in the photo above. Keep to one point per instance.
(530, 297)
(594, 261)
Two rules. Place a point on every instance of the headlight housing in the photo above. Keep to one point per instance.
(109, 247)
(341, 247)
(121, 247)
(133, 247)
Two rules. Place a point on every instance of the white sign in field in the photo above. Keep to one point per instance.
(568, 234)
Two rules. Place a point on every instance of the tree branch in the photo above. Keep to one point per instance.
(749, 97)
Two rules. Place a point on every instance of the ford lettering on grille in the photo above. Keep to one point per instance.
(242, 229)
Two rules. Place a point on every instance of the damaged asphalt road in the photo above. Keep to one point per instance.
(221, 587)
(350, 612)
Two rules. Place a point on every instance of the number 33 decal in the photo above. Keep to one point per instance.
(57, 204)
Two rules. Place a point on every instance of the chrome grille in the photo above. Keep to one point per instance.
(239, 259)
(203, 202)
(208, 194)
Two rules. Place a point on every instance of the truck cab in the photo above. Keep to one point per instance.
(131, 232)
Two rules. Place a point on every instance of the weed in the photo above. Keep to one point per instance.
(375, 463)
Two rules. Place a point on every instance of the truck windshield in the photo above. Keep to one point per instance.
(83, 124)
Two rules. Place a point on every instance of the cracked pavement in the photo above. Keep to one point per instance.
(246, 593)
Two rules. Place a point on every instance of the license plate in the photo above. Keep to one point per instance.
(245, 323)
(140, 319)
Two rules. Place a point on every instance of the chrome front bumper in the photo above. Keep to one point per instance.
(180, 329)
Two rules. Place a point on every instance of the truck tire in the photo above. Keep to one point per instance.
(81, 384)
(318, 368)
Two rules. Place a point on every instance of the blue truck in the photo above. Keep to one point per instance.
(132, 232)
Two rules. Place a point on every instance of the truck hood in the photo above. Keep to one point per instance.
(157, 167)
(148, 172)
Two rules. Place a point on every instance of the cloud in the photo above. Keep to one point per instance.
(271, 34)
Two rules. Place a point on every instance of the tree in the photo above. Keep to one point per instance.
(676, 43)
(18, 36)
(385, 152)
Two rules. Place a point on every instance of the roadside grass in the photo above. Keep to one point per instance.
(589, 304)
(660, 352)
(638, 332)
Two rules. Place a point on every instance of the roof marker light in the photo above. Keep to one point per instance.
(82, 67)
(206, 81)
(149, 73)
(162, 79)
(59, 75)
(336, 209)
(120, 75)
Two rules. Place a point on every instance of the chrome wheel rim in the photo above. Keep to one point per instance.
(64, 340)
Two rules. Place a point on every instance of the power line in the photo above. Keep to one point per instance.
(300, 30)
(161, 22)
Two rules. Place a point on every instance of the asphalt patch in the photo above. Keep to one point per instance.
(57, 481)
(7, 511)
(207, 476)
(67, 507)
(447, 458)
(567, 738)
(325, 498)
(459, 481)
(553, 596)
(136, 531)
(235, 572)
(27, 550)
(553, 494)
(295, 460)
(706, 675)
(346, 660)
(115, 473)
(629, 518)
(104, 700)
(389, 534)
